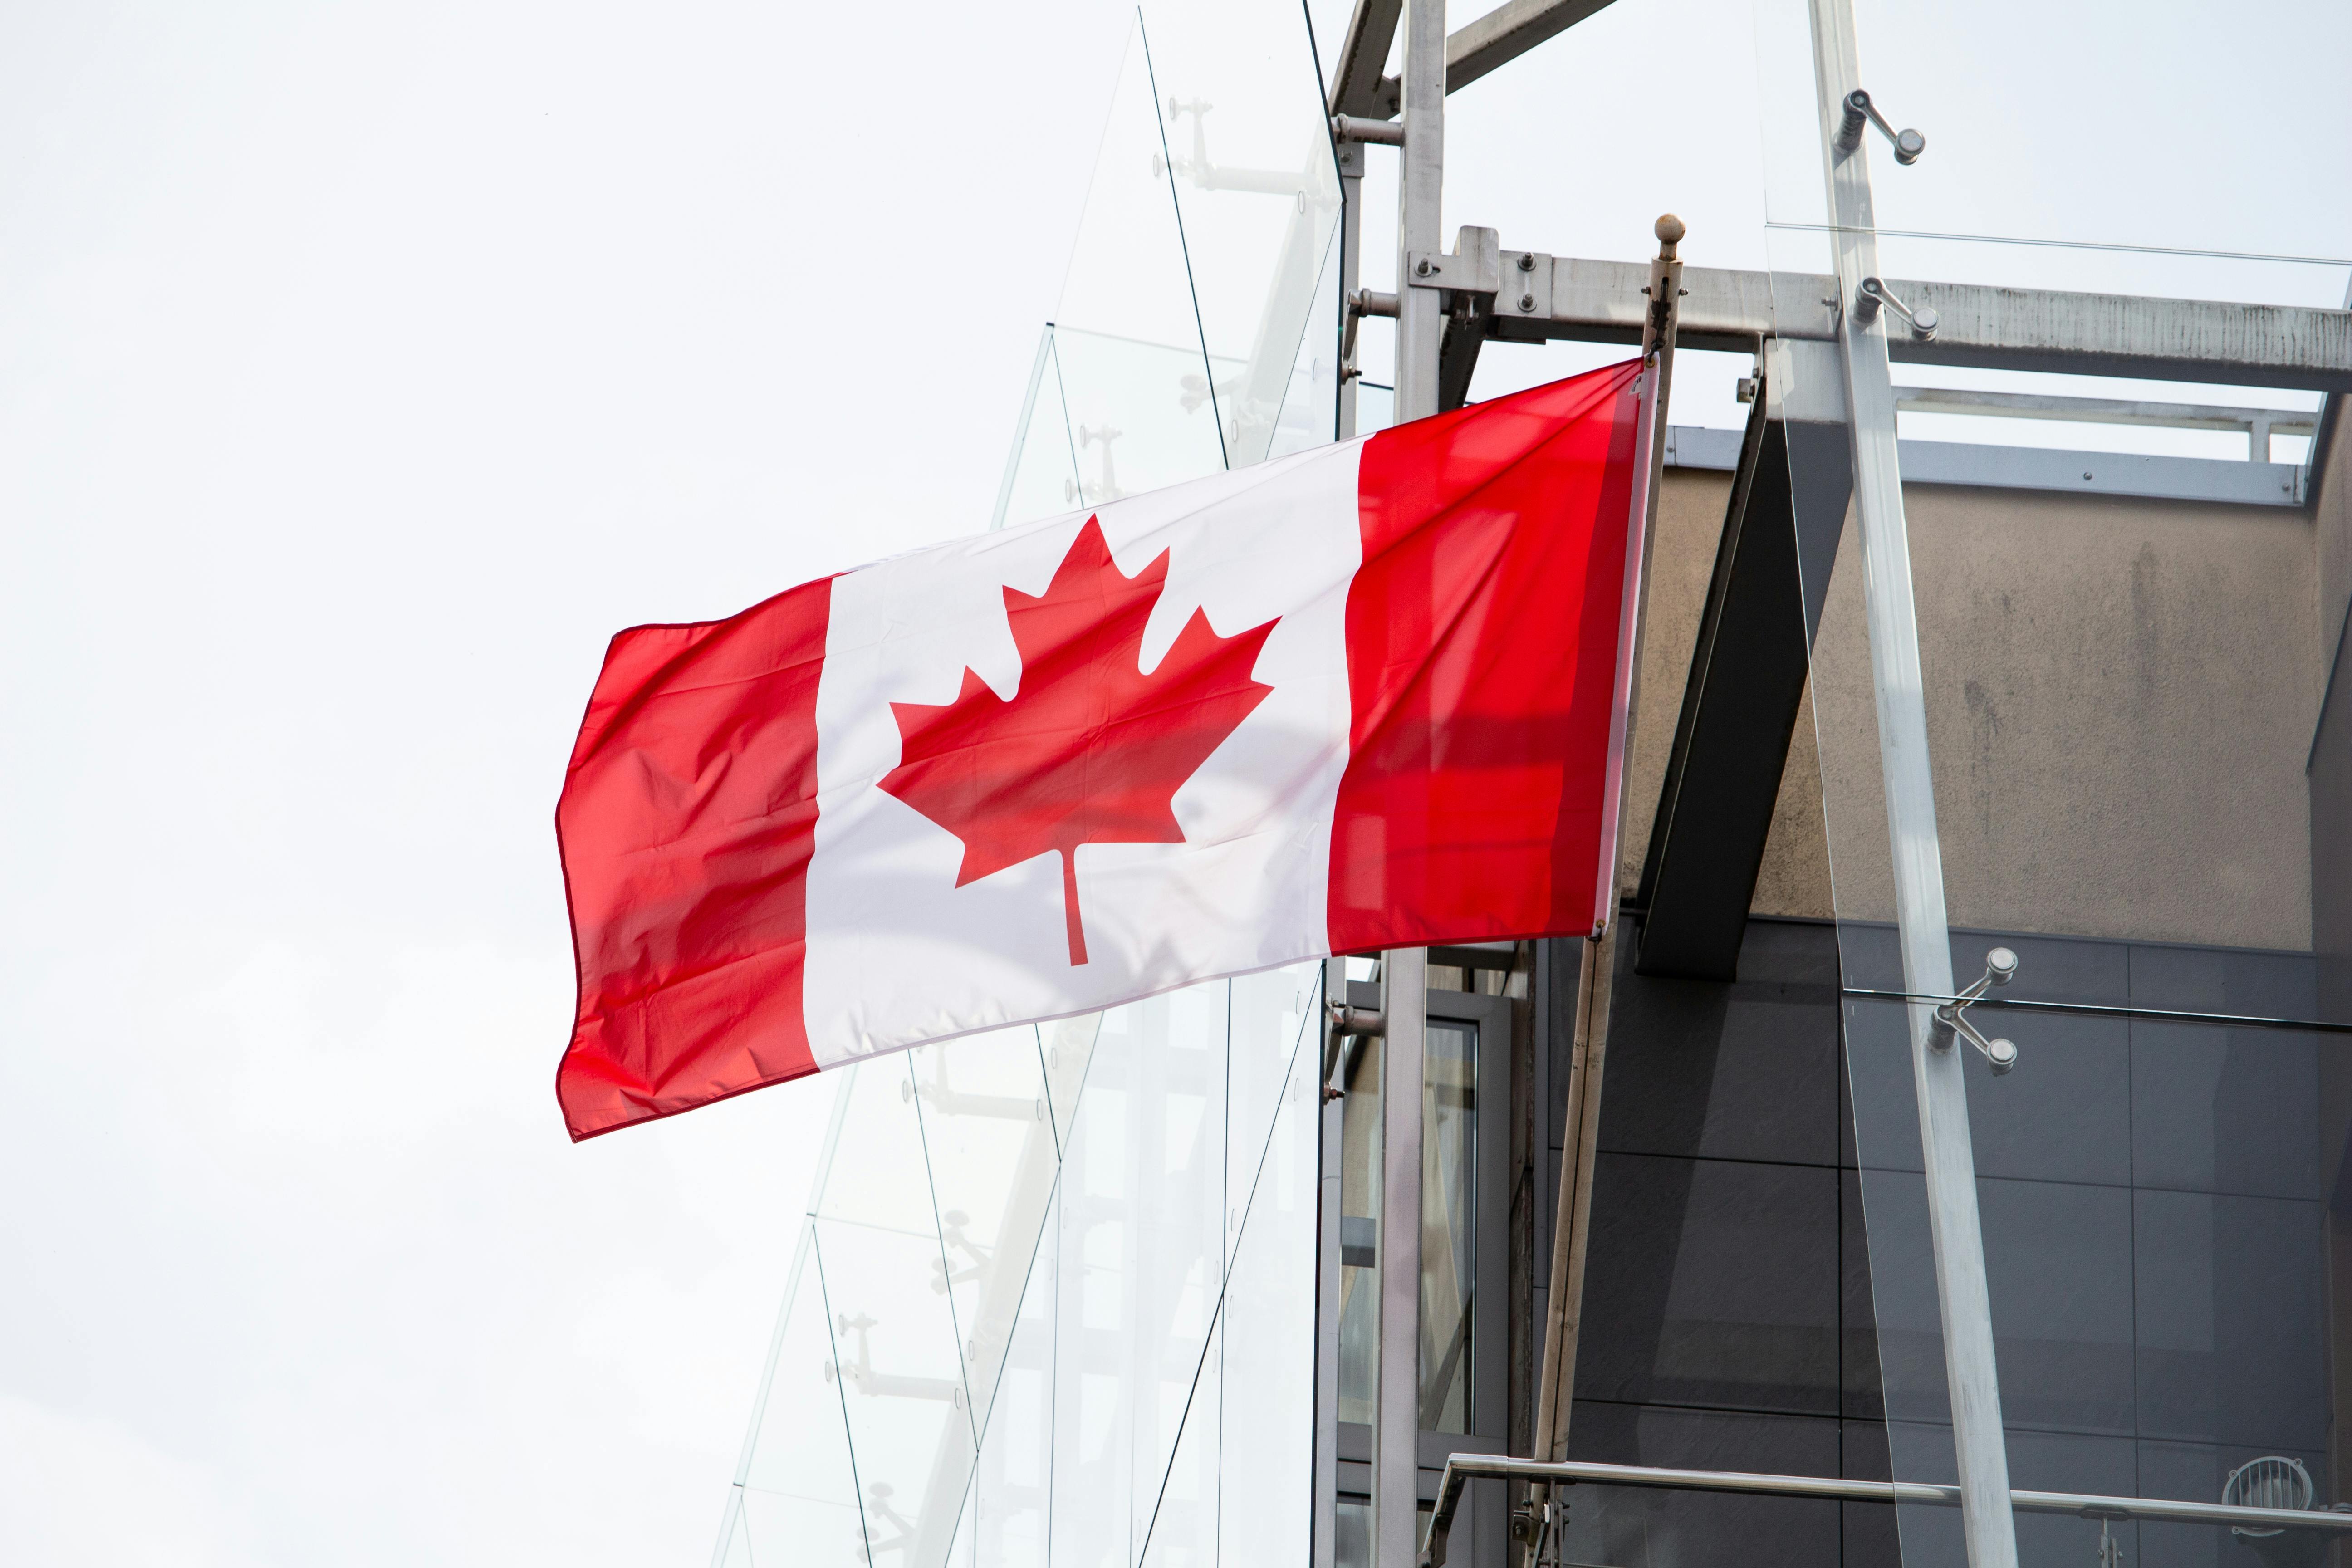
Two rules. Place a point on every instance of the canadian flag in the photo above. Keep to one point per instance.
(1372, 695)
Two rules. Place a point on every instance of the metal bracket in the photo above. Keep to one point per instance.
(1874, 292)
(1474, 268)
(1526, 285)
(1860, 110)
(1358, 128)
(1951, 1019)
(2111, 1550)
(1361, 303)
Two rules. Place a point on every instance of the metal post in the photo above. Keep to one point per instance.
(1420, 312)
(1351, 270)
(1396, 1421)
(1329, 1177)
(1950, 1165)
(1563, 1317)
(1404, 1002)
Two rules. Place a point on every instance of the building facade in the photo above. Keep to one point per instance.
(1102, 1292)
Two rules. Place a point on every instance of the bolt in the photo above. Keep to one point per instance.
(1423, 268)
(2086, 473)
(1526, 302)
(1527, 262)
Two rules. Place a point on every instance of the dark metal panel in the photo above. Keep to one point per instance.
(1741, 1071)
(1619, 1525)
(1712, 1283)
(1739, 705)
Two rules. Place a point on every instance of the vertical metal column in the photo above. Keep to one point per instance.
(1404, 1001)
(1420, 312)
(1330, 1211)
(1351, 279)
(1396, 1421)
(1950, 1163)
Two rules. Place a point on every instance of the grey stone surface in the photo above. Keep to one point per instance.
(2226, 1110)
(1712, 1282)
(2228, 1294)
(1640, 1527)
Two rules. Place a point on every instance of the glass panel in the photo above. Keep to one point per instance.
(1268, 1325)
(1270, 1013)
(961, 1550)
(1068, 1044)
(1328, 22)
(1258, 191)
(990, 1143)
(1093, 1443)
(1175, 1072)
(734, 1538)
(1126, 338)
(1449, 1229)
(1310, 407)
(897, 1349)
(1179, 1523)
(1016, 1453)
(797, 1482)
(1351, 1537)
(1041, 479)
(895, 1352)
(2141, 766)
(2021, 142)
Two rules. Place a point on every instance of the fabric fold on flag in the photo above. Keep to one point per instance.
(1355, 698)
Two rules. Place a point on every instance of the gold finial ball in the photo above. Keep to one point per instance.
(1670, 230)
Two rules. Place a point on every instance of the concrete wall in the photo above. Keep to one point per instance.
(1794, 879)
(2121, 697)
(2332, 525)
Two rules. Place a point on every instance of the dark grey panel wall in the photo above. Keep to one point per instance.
(2153, 1193)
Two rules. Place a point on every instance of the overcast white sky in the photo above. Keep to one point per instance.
(363, 367)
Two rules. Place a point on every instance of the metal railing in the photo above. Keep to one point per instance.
(2257, 424)
(1460, 1468)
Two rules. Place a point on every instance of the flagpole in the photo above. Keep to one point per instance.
(1404, 971)
(1563, 1315)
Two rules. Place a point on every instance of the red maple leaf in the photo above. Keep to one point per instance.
(1090, 750)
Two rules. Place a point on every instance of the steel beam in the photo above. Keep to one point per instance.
(1483, 46)
(1731, 742)
(1963, 1298)
(1506, 32)
(1404, 971)
(2202, 340)
(1357, 84)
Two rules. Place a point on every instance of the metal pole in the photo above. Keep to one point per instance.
(1331, 1172)
(1404, 1002)
(1396, 1422)
(1351, 270)
(1563, 1317)
(1950, 1165)
(1420, 312)
(1460, 1468)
